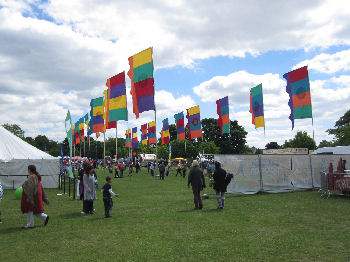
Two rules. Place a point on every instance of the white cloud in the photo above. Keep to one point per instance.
(329, 99)
(49, 65)
(328, 63)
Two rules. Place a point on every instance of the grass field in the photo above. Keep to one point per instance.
(154, 221)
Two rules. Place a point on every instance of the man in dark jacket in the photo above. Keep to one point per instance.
(196, 179)
(220, 184)
(161, 170)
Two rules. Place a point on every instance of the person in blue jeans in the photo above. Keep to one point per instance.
(107, 196)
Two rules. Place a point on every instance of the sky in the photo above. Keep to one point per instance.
(57, 55)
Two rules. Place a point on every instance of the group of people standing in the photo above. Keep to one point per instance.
(87, 188)
(197, 181)
(181, 169)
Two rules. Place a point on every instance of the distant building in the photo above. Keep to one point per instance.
(286, 151)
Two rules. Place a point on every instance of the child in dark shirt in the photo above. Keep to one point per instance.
(107, 196)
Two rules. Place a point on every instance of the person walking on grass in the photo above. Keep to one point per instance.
(184, 169)
(89, 191)
(152, 169)
(196, 179)
(107, 196)
(220, 185)
(161, 170)
(178, 170)
(33, 197)
(116, 175)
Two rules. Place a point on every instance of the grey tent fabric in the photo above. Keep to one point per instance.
(16, 155)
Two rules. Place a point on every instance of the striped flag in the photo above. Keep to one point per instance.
(194, 122)
(152, 137)
(257, 106)
(180, 125)
(142, 82)
(223, 112)
(298, 89)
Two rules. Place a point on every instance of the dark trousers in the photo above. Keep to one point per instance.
(116, 173)
(108, 202)
(197, 198)
(178, 171)
(184, 173)
(88, 206)
(161, 175)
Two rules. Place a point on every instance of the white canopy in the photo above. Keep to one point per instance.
(16, 155)
(12, 147)
(338, 150)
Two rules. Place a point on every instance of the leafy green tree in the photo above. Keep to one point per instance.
(233, 143)
(325, 143)
(208, 148)
(272, 145)
(341, 130)
(301, 140)
(14, 129)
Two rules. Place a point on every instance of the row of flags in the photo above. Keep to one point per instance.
(194, 126)
(110, 108)
(298, 89)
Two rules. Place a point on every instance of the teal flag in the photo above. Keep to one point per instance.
(68, 126)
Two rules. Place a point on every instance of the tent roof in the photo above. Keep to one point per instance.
(338, 150)
(13, 147)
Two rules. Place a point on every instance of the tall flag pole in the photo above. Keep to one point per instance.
(165, 132)
(117, 105)
(257, 106)
(142, 85)
(180, 125)
(194, 122)
(298, 89)
(68, 127)
(223, 112)
(142, 82)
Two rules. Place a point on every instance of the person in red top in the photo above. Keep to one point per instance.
(33, 196)
(116, 170)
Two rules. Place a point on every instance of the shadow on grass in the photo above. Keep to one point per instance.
(70, 215)
(212, 210)
(10, 230)
(187, 211)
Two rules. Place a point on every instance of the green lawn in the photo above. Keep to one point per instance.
(154, 221)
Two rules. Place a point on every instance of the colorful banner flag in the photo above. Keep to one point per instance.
(223, 112)
(142, 82)
(81, 129)
(144, 135)
(69, 127)
(257, 106)
(165, 132)
(108, 125)
(135, 142)
(97, 115)
(169, 153)
(128, 138)
(298, 89)
(180, 125)
(194, 122)
(117, 106)
(152, 136)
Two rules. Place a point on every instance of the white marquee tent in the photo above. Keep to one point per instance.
(16, 155)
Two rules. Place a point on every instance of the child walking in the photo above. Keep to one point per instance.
(107, 196)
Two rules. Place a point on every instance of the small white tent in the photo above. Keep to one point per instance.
(16, 155)
(338, 150)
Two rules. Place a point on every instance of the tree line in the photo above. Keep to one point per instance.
(212, 142)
